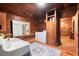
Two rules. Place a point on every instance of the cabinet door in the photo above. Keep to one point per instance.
(2, 21)
(51, 32)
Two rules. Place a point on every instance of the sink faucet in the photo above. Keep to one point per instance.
(8, 36)
(2, 36)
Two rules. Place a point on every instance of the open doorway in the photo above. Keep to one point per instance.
(67, 33)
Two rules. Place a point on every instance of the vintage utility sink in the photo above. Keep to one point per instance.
(13, 47)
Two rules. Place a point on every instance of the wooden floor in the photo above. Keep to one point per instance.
(67, 45)
(67, 48)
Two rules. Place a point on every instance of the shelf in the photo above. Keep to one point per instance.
(51, 16)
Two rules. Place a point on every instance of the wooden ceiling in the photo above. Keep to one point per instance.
(30, 9)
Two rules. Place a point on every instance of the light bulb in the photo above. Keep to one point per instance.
(41, 4)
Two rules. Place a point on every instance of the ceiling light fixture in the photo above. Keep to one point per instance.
(41, 4)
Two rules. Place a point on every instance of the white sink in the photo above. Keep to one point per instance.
(13, 47)
(13, 44)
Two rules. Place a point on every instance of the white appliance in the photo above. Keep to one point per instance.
(41, 36)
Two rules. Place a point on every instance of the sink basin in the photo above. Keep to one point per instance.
(14, 47)
(13, 44)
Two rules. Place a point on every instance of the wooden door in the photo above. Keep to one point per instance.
(51, 32)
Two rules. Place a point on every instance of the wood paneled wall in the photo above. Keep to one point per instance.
(41, 26)
(20, 18)
(66, 26)
(66, 14)
(7, 17)
(3, 22)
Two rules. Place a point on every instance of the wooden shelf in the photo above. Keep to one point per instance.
(51, 16)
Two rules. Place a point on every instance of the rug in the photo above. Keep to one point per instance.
(38, 49)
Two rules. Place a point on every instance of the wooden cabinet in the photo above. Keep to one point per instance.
(52, 27)
(51, 32)
(2, 22)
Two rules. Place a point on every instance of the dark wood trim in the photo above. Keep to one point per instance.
(11, 26)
